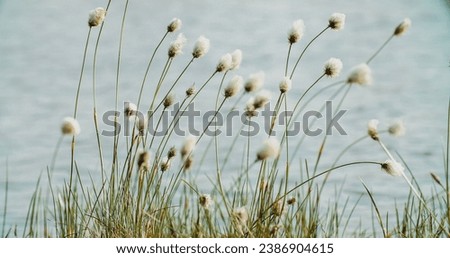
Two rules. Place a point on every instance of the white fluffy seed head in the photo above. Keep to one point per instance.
(205, 201)
(372, 129)
(360, 74)
(249, 109)
(241, 215)
(261, 99)
(141, 124)
(296, 32)
(188, 162)
(201, 47)
(70, 126)
(188, 146)
(130, 109)
(254, 82)
(333, 67)
(176, 46)
(172, 152)
(402, 27)
(225, 63)
(397, 129)
(144, 160)
(233, 87)
(96, 16)
(174, 25)
(165, 164)
(270, 149)
(392, 167)
(169, 100)
(236, 59)
(336, 21)
(285, 85)
(190, 91)
(278, 208)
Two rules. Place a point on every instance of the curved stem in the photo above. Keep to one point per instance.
(304, 50)
(148, 68)
(297, 147)
(322, 146)
(314, 177)
(216, 143)
(287, 59)
(379, 50)
(94, 95)
(210, 121)
(81, 73)
(230, 149)
(116, 101)
(173, 85)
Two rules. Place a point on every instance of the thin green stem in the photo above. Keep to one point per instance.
(173, 85)
(212, 119)
(379, 50)
(447, 166)
(94, 95)
(304, 50)
(316, 176)
(287, 59)
(148, 68)
(5, 202)
(322, 146)
(81, 73)
(116, 101)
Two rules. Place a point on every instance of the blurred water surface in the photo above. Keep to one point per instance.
(41, 46)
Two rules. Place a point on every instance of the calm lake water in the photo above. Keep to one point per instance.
(41, 46)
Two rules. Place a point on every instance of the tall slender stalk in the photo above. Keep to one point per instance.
(117, 84)
(5, 202)
(304, 50)
(94, 96)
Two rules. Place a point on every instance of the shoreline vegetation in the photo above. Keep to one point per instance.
(152, 190)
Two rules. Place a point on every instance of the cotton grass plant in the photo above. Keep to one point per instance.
(151, 188)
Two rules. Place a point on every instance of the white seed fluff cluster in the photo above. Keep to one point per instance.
(174, 25)
(96, 16)
(360, 74)
(402, 27)
(270, 149)
(225, 63)
(285, 85)
(176, 46)
(296, 32)
(333, 67)
(141, 124)
(241, 215)
(234, 86)
(70, 126)
(372, 129)
(130, 109)
(254, 82)
(397, 129)
(190, 91)
(169, 100)
(205, 201)
(201, 47)
(165, 164)
(261, 99)
(188, 146)
(144, 160)
(236, 59)
(392, 167)
(336, 21)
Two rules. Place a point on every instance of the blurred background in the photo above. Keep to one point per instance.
(41, 48)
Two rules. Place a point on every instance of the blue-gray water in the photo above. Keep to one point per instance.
(41, 46)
